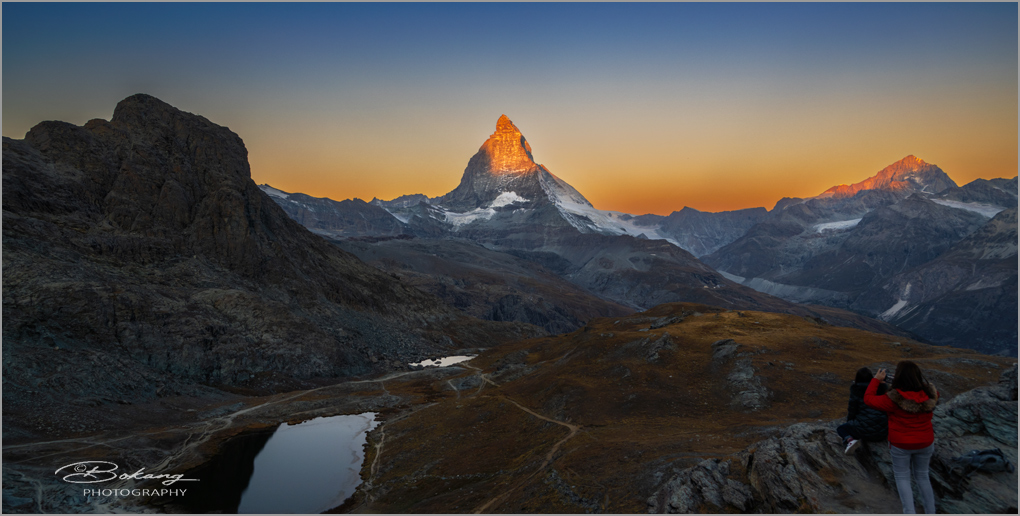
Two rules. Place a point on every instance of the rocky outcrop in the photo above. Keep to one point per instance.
(805, 470)
(703, 488)
(748, 391)
(141, 260)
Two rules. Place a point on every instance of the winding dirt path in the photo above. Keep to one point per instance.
(548, 456)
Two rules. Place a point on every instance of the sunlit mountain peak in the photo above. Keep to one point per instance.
(507, 150)
(910, 174)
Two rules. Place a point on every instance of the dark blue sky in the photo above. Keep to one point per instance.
(670, 95)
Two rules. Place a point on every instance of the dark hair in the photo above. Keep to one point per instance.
(908, 377)
(864, 375)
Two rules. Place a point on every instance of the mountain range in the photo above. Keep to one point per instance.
(841, 249)
(157, 303)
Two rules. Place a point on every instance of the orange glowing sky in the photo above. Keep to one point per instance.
(643, 108)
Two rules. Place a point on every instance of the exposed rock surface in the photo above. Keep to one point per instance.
(805, 470)
(888, 240)
(141, 260)
(996, 192)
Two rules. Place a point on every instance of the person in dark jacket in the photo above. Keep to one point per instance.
(909, 404)
(863, 423)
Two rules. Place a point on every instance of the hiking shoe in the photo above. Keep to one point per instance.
(852, 445)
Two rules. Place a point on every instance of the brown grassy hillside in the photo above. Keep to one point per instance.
(595, 419)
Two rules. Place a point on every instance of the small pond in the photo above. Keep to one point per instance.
(305, 468)
(444, 361)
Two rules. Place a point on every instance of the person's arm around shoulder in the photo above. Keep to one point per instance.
(871, 397)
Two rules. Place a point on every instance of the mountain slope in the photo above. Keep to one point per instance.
(518, 206)
(485, 283)
(967, 294)
(329, 218)
(141, 260)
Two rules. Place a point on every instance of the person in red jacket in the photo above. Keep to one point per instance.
(909, 403)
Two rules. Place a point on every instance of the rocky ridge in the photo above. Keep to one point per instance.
(805, 470)
(141, 261)
(332, 219)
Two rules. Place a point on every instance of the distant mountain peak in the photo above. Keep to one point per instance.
(908, 163)
(910, 174)
(507, 151)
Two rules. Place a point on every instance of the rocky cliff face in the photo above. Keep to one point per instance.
(805, 469)
(141, 260)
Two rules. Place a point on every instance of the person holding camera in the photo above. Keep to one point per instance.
(862, 421)
(909, 405)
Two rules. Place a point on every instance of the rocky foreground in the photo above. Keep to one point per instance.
(805, 470)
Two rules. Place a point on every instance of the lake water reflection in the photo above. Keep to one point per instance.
(304, 468)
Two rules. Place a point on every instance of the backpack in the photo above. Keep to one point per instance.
(984, 460)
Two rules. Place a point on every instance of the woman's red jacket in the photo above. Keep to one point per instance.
(909, 414)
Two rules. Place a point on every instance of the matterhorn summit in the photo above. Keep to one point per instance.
(506, 151)
(502, 172)
(503, 184)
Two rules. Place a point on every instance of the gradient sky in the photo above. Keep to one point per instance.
(641, 107)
